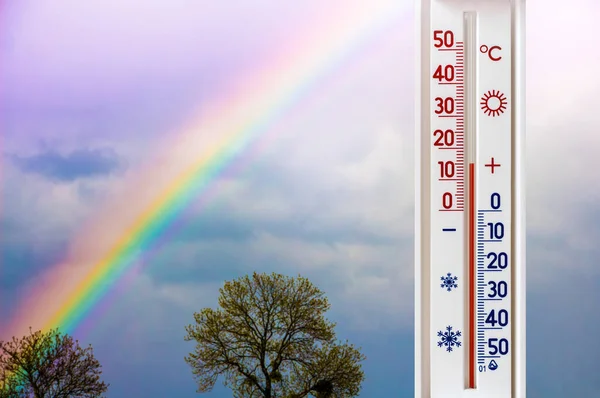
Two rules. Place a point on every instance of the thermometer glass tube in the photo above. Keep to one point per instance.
(470, 268)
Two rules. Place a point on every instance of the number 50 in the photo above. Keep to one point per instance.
(498, 346)
(443, 38)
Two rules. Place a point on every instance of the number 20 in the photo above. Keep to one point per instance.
(443, 137)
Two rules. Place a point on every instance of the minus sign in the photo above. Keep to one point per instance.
(449, 229)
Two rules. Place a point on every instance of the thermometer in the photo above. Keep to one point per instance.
(470, 212)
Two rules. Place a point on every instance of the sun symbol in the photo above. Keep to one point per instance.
(493, 103)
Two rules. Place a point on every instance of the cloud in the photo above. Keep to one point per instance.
(81, 163)
(341, 225)
(38, 209)
(39, 217)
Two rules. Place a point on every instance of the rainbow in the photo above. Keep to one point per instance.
(229, 133)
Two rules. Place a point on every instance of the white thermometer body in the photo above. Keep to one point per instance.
(470, 252)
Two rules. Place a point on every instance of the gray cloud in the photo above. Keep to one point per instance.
(81, 163)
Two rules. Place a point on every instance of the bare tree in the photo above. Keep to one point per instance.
(270, 339)
(48, 365)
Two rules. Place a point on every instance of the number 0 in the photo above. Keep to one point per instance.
(447, 200)
(495, 199)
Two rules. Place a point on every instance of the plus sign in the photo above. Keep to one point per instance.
(492, 165)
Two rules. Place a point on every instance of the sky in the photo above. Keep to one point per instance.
(93, 92)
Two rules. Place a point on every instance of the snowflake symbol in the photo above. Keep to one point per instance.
(449, 339)
(449, 281)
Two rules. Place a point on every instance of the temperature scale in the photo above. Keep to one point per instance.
(470, 205)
